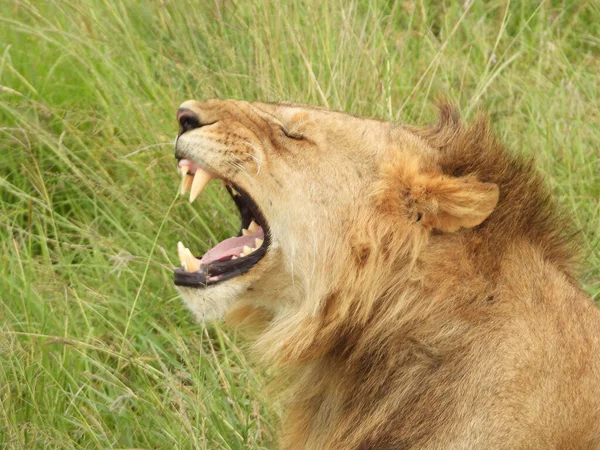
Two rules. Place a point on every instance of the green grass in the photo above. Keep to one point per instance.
(96, 349)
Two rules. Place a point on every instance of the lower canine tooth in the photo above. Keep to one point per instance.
(191, 263)
(181, 253)
(247, 250)
(201, 178)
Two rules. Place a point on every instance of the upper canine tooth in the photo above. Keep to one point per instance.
(186, 183)
(183, 170)
(201, 178)
(245, 232)
(258, 242)
(253, 227)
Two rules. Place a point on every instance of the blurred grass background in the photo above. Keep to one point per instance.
(96, 349)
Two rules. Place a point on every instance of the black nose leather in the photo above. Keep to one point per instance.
(188, 120)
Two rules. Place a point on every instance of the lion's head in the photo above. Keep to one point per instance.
(401, 274)
(332, 205)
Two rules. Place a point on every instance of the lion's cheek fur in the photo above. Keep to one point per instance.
(210, 303)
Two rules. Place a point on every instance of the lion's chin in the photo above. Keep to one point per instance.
(212, 302)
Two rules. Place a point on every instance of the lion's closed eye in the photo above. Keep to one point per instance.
(292, 134)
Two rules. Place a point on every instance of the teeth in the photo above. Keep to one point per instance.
(234, 257)
(186, 183)
(247, 250)
(258, 242)
(191, 263)
(253, 227)
(181, 252)
(188, 261)
(201, 178)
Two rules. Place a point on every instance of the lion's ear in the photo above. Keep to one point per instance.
(431, 199)
(448, 203)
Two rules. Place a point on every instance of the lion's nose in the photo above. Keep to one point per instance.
(188, 120)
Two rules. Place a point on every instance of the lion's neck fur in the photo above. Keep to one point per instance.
(383, 372)
(393, 377)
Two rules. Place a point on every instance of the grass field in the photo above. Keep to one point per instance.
(96, 349)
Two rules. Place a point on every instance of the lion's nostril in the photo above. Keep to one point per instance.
(188, 120)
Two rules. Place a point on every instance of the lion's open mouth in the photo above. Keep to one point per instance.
(231, 257)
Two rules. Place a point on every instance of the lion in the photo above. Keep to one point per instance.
(415, 287)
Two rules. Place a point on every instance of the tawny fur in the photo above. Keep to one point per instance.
(424, 297)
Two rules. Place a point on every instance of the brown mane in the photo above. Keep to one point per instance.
(526, 209)
(399, 361)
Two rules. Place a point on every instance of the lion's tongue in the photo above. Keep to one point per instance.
(231, 247)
